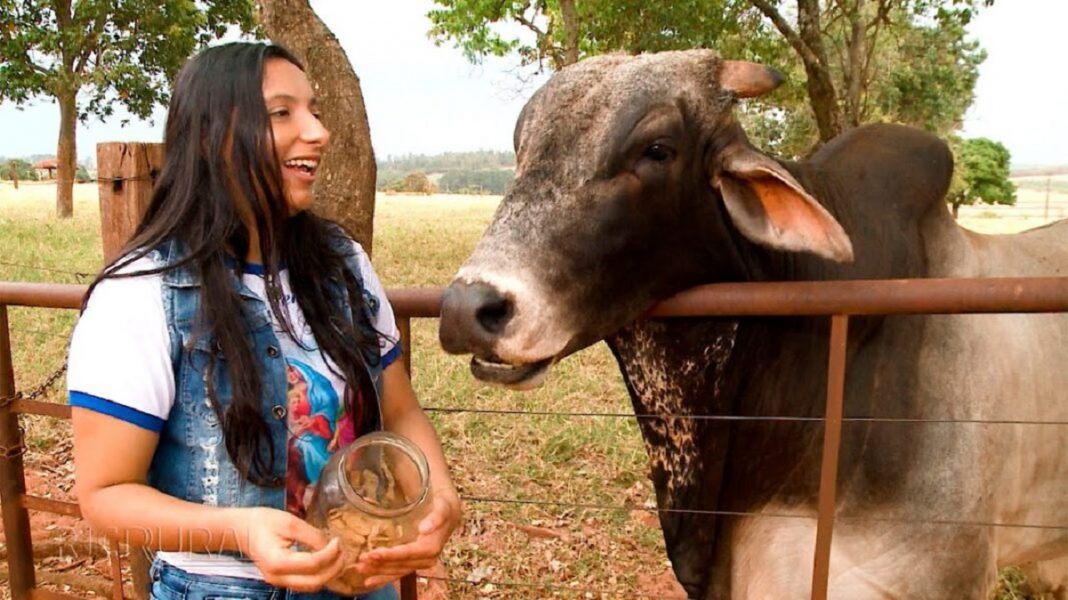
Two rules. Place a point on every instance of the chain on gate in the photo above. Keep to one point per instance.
(16, 450)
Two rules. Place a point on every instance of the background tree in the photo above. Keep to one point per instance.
(345, 191)
(554, 26)
(18, 169)
(867, 60)
(847, 61)
(93, 55)
(981, 174)
(416, 183)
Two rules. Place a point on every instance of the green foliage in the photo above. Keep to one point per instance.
(470, 23)
(482, 172)
(388, 179)
(916, 65)
(416, 183)
(23, 169)
(931, 73)
(113, 51)
(731, 27)
(483, 181)
(478, 28)
(439, 163)
(981, 173)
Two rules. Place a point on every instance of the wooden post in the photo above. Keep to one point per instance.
(14, 174)
(408, 588)
(126, 175)
(12, 479)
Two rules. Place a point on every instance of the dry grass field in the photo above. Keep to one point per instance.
(588, 532)
(1033, 207)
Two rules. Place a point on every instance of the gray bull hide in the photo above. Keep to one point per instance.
(634, 182)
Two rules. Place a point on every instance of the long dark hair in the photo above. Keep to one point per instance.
(220, 155)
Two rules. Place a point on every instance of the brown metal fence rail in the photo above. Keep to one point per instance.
(839, 300)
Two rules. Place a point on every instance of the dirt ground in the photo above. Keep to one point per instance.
(70, 558)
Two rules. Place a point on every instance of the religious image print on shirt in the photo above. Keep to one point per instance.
(317, 427)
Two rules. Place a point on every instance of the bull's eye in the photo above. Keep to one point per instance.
(658, 153)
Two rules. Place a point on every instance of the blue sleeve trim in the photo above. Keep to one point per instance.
(392, 355)
(119, 411)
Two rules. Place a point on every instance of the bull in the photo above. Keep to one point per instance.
(634, 182)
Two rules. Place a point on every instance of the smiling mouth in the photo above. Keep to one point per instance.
(519, 377)
(303, 166)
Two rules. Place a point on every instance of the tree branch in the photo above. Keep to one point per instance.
(91, 43)
(852, 67)
(787, 32)
(522, 19)
(873, 30)
(63, 19)
(882, 14)
(571, 31)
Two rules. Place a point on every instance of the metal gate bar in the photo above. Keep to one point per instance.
(832, 442)
(840, 299)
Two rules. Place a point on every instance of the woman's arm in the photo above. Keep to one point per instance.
(111, 460)
(402, 414)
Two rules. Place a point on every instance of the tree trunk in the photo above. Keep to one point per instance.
(14, 174)
(824, 101)
(854, 71)
(807, 41)
(571, 32)
(956, 209)
(66, 154)
(346, 188)
(820, 84)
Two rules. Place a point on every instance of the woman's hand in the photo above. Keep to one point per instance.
(268, 535)
(383, 565)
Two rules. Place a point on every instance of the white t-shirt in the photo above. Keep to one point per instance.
(120, 365)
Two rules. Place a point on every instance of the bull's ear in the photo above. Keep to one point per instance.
(771, 208)
(748, 80)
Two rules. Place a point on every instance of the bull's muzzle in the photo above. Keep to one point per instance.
(473, 317)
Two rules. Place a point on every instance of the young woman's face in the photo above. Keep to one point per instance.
(299, 137)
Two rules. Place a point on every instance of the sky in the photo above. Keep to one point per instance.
(425, 99)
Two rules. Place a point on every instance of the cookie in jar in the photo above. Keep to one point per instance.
(371, 494)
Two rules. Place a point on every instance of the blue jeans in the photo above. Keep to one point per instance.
(172, 583)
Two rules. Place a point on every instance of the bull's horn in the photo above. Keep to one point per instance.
(747, 80)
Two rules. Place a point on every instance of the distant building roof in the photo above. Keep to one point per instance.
(48, 163)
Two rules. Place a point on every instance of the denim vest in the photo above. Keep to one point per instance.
(191, 461)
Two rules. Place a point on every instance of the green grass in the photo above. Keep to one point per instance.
(421, 241)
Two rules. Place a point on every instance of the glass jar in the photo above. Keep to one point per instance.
(371, 494)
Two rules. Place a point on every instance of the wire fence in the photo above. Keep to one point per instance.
(753, 418)
(80, 276)
(482, 580)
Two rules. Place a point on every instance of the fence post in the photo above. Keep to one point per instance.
(126, 173)
(12, 479)
(832, 441)
(408, 589)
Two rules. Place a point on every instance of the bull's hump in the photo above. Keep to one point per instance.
(891, 165)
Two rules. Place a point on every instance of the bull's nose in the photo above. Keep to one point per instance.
(473, 316)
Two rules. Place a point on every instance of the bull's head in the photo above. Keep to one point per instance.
(633, 182)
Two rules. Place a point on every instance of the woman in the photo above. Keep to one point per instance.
(230, 300)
